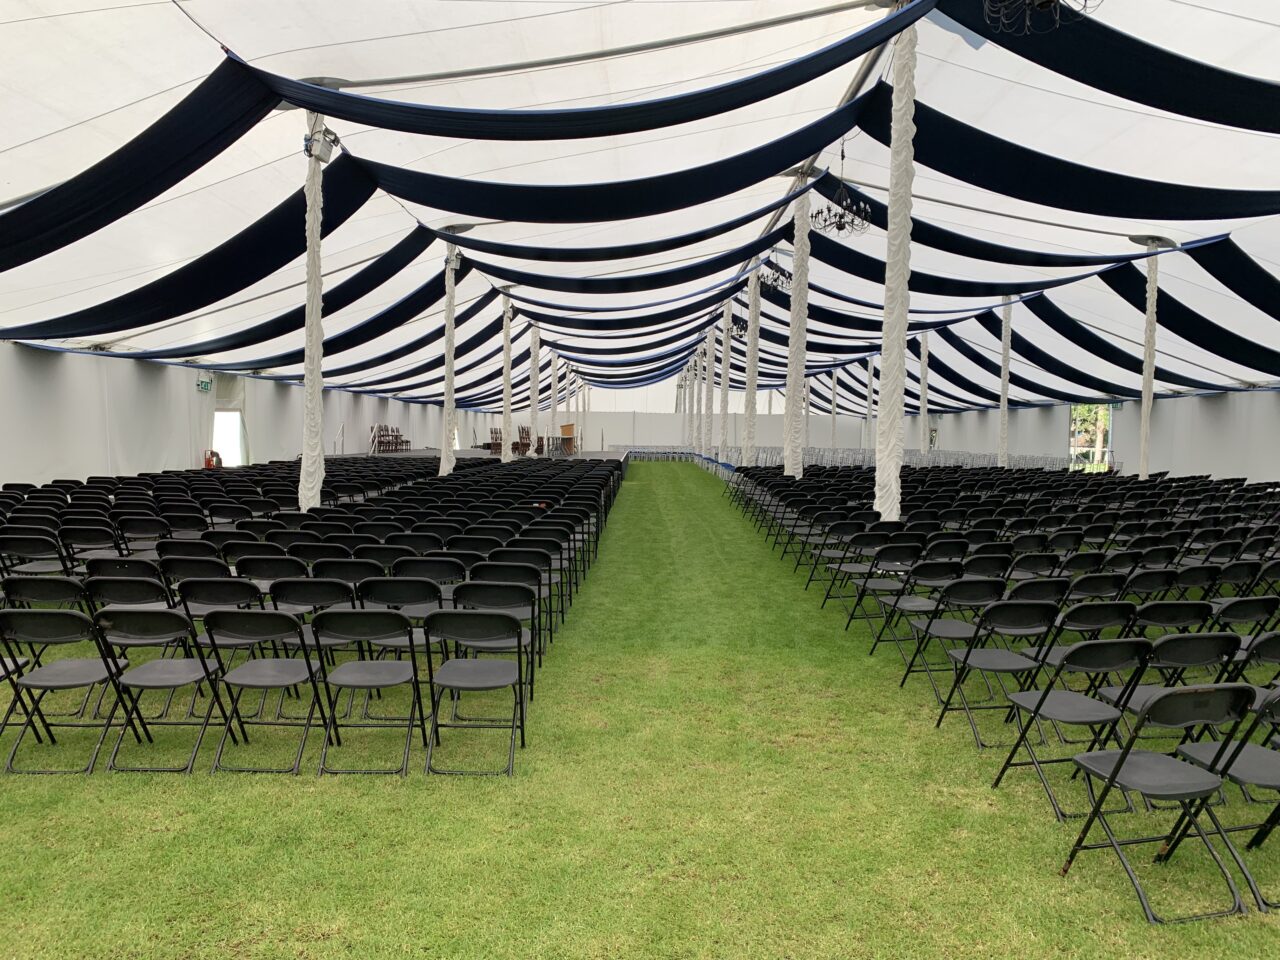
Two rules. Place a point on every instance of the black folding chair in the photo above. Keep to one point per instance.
(1160, 777)
(368, 631)
(474, 630)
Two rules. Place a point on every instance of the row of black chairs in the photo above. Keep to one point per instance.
(1088, 658)
(436, 623)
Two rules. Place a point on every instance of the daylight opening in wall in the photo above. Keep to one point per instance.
(228, 437)
(1090, 442)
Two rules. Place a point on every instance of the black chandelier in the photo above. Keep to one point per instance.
(842, 216)
(1021, 17)
(738, 328)
(771, 275)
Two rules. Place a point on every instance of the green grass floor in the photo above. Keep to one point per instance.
(715, 769)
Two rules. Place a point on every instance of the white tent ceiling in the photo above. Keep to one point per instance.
(83, 78)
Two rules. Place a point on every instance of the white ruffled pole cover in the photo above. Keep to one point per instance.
(725, 334)
(897, 297)
(555, 399)
(709, 398)
(871, 403)
(447, 455)
(808, 412)
(690, 373)
(924, 393)
(797, 335)
(311, 470)
(586, 410)
(1006, 339)
(535, 386)
(506, 379)
(833, 409)
(1148, 366)
(698, 368)
(753, 371)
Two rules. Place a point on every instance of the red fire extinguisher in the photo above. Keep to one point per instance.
(212, 460)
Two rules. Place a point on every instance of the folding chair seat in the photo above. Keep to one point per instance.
(949, 622)
(857, 551)
(1172, 656)
(368, 631)
(882, 578)
(1059, 705)
(261, 634)
(1021, 620)
(475, 631)
(917, 594)
(25, 635)
(1160, 777)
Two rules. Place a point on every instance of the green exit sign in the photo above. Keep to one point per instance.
(204, 385)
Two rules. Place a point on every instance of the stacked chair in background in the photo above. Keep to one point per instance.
(1121, 631)
(206, 599)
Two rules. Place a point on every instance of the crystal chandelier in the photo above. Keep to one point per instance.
(1021, 17)
(842, 216)
(771, 275)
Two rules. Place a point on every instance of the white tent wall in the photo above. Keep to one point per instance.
(1033, 431)
(1222, 434)
(71, 416)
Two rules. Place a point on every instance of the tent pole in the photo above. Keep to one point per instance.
(506, 379)
(709, 399)
(724, 379)
(1006, 339)
(311, 470)
(753, 371)
(897, 297)
(447, 455)
(1148, 364)
(924, 395)
(535, 386)
(793, 410)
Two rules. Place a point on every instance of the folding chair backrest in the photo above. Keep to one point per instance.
(261, 626)
(1107, 656)
(399, 591)
(221, 591)
(970, 591)
(1248, 610)
(312, 592)
(489, 594)
(1178, 651)
(464, 625)
(1178, 615)
(186, 548)
(1047, 589)
(1217, 704)
(35, 589)
(367, 625)
(160, 627)
(41, 627)
(125, 591)
(1020, 615)
(1094, 615)
(439, 569)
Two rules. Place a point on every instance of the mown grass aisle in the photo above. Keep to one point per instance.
(715, 769)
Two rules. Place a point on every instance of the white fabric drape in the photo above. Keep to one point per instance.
(709, 398)
(311, 470)
(924, 393)
(753, 371)
(897, 298)
(808, 412)
(770, 408)
(690, 401)
(870, 439)
(698, 367)
(447, 455)
(506, 379)
(792, 424)
(586, 412)
(1148, 366)
(833, 409)
(1006, 338)
(554, 430)
(725, 335)
(535, 386)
